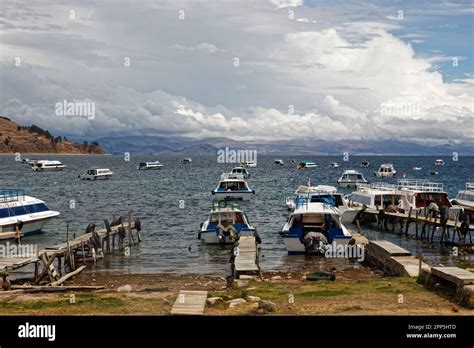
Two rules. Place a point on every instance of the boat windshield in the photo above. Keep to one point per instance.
(227, 218)
(232, 186)
(324, 199)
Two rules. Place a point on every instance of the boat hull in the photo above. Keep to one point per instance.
(236, 195)
(30, 227)
(210, 237)
(295, 247)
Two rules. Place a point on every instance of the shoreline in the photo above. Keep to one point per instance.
(356, 291)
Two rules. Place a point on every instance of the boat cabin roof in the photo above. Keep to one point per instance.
(315, 208)
(316, 189)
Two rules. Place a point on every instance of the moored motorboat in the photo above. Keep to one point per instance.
(47, 166)
(187, 160)
(233, 187)
(417, 168)
(96, 174)
(26, 213)
(312, 226)
(306, 164)
(323, 193)
(439, 162)
(279, 162)
(385, 170)
(225, 224)
(365, 164)
(351, 178)
(149, 165)
(465, 199)
(334, 165)
(249, 164)
(240, 171)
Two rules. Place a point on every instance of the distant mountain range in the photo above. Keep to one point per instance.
(154, 145)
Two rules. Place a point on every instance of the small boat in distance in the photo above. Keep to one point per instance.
(30, 214)
(187, 160)
(279, 162)
(385, 170)
(96, 174)
(47, 166)
(232, 187)
(149, 165)
(434, 173)
(417, 168)
(25, 161)
(240, 171)
(333, 165)
(306, 164)
(225, 224)
(439, 162)
(351, 178)
(365, 164)
(250, 164)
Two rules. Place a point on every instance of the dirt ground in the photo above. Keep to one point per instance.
(356, 291)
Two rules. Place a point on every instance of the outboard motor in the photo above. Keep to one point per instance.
(221, 237)
(315, 243)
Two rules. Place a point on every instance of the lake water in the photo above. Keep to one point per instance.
(169, 233)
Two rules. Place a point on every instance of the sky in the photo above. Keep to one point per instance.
(261, 71)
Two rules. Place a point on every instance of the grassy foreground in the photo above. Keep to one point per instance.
(155, 294)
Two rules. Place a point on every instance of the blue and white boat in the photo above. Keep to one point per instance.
(18, 209)
(320, 219)
(225, 224)
(232, 187)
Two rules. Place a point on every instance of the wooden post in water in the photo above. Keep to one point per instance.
(408, 221)
(130, 236)
(416, 223)
(83, 253)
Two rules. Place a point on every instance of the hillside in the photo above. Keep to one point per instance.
(16, 138)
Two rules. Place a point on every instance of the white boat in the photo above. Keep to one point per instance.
(323, 193)
(233, 187)
(417, 168)
(187, 160)
(439, 162)
(47, 166)
(406, 194)
(351, 178)
(306, 164)
(240, 171)
(96, 174)
(25, 161)
(250, 164)
(365, 164)
(465, 198)
(333, 165)
(16, 208)
(385, 170)
(310, 219)
(149, 165)
(279, 162)
(225, 224)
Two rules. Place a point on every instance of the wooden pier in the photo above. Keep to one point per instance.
(246, 257)
(458, 276)
(91, 246)
(425, 225)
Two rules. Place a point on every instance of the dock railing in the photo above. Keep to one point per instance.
(419, 185)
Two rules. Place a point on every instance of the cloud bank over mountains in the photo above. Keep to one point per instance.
(246, 70)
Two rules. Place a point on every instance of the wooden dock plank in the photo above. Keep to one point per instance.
(189, 302)
(455, 275)
(246, 259)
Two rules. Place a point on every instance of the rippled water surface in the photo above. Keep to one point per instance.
(170, 241)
